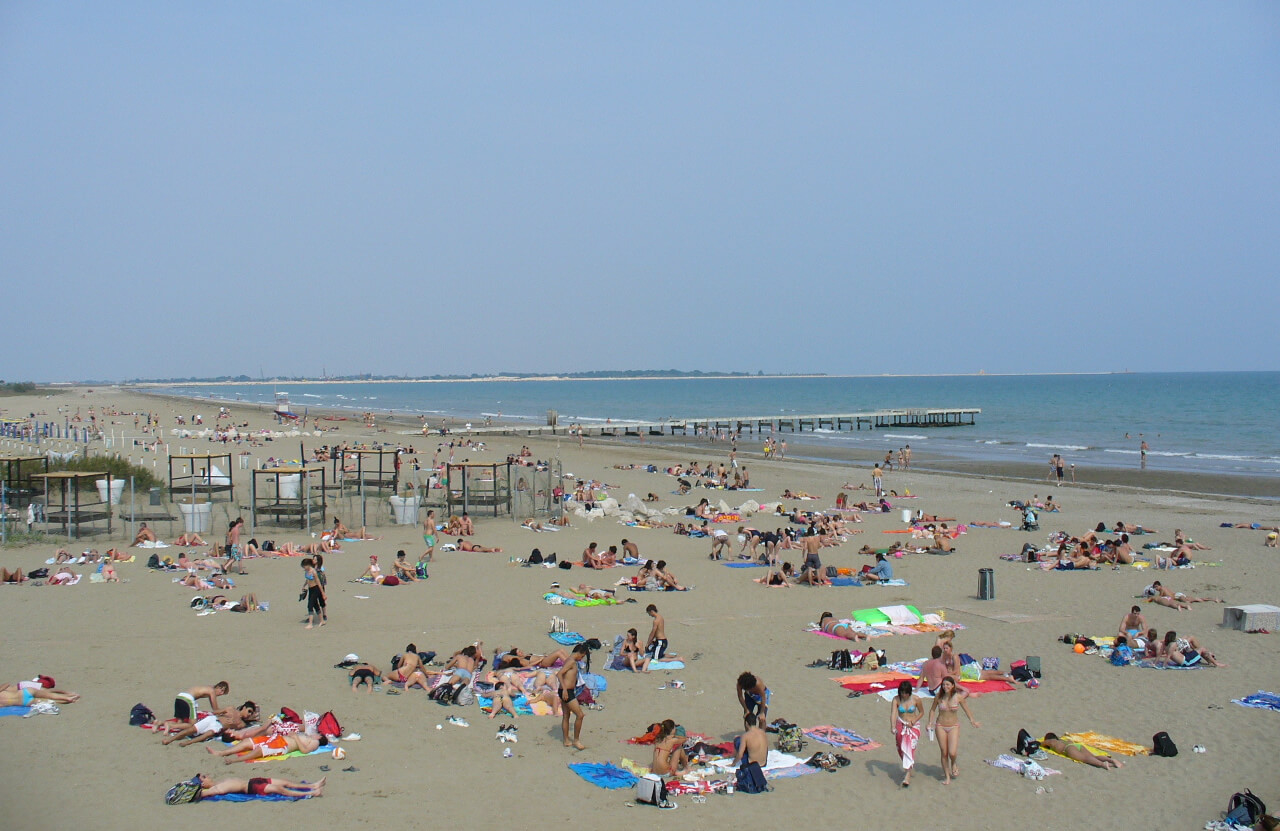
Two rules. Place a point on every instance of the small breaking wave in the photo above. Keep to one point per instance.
(1059, 446)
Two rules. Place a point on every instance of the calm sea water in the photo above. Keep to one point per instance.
(1219, 422)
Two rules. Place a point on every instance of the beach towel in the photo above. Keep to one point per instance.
(1013, 763)
(566, 638)
(666, 665)
(606, 775)
(887, 683)
(1261, 700)
(557, 600)
(974, 688)
(244, 797)
(1108, 743)
(745, 565)
(846, 582)
(634, 767)
(901, 615)
(18, 710)
(1148, 663)
(906, 737)
(840, 737)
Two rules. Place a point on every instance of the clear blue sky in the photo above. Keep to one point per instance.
(200, 189)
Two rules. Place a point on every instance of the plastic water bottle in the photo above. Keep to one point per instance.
(506, 754)
(930, 734)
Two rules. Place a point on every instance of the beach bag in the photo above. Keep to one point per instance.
(153, 561)
(991, 663)
(1245, 808)
(38, 573)
(328, 725)
(310, 722)
(141, 714)
(535, 558)
(1032, 770)
(1162, 745)
(268, 545)
(442, 694)
(750, 778)
(831, 572)
(465, 697)
(289, 716)
(651, 790)
(184, 792)
(565, 564)
(1025, 744)
(790, 739)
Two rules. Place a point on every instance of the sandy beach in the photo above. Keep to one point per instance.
(138, 641)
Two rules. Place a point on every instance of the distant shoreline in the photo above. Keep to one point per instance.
(139, 385)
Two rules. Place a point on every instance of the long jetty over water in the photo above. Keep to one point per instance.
(874, 420)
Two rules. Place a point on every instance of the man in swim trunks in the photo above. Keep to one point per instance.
(753, 744)
(232, 718)
(429, 535)
(259, 787)
(262, 747)
(1133, 624)
(184, 705)
(656, 646)
(568, 693)
(933, 670)
(461, 668)
(754, 697)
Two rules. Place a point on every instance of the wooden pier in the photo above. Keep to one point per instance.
(874, 420)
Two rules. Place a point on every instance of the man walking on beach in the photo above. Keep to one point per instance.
(568, 676)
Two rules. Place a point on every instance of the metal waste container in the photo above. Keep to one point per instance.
(986, 584)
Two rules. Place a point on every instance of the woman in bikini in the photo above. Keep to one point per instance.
(632, 655)
(828, 623)
(778, 579)
(905, 712)
(945, 716)
(669, 756)
(1077, 752)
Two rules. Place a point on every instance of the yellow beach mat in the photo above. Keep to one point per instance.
(1108, 743)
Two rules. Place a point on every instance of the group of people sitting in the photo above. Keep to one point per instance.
(1136, 640)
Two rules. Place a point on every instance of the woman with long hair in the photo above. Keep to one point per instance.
(945, 716)
(905, 712)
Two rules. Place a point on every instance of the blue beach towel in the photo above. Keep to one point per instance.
(846, 581)
(745, 565)
(566, 638)
(605, 775)
(666, 665)
(244, 797)
(1261, 700)
(14, 711)
(521, 702)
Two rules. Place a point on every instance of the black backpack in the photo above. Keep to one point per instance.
(535, 558)
(565, 564)
(1162, 745)
(141, 714)
(1245, 808)
(751, 779)
(1026, 745)
(153, 561)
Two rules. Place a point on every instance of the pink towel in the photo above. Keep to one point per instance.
(907, 737)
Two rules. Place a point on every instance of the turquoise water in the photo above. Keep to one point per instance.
(1219, 422)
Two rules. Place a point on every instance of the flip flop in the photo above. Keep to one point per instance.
(352, 769)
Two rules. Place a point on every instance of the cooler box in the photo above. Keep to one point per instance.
(1256, 616)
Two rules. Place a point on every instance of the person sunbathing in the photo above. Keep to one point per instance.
(669, 756)
(505, 691)
(13, 576)
(342, 532)
(463, 545)
(247, 603)
(118, 556)
(1185, 651)
(259, 786)
(231, 718)
(515, 659)
(261, 747)
(1126, 528)
(778, 579)
(63, 577)
(400, 568)
(1133, 624)
(364, 673)
(191, 539)
(828, 623)
(1078, 752)
(585, 591)
(667, 579)
(145, 534)
(109, 574)
(21, 695)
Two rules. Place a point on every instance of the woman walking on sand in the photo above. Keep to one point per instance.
(945, 716)
(905, 712)
(313, 590)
